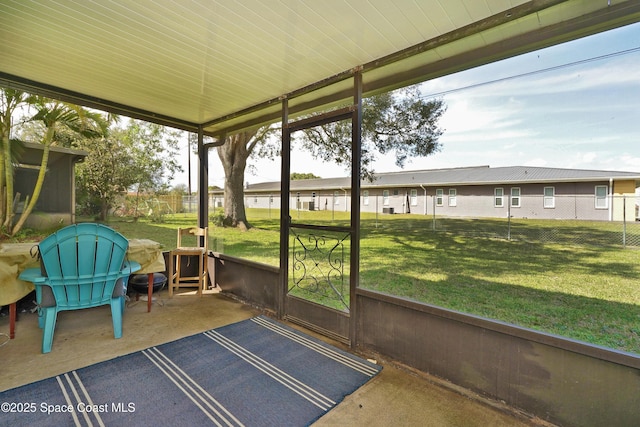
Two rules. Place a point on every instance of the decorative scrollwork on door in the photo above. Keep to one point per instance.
(318, 268)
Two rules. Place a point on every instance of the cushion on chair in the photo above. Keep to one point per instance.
(49, 300)
(47, 297)
(121, 289)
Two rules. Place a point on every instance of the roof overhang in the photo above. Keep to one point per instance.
(30, 156)
(227, 66)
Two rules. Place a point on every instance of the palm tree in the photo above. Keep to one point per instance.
(11, 101)
(53, 115)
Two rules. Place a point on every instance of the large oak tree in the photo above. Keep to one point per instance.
(401, 123)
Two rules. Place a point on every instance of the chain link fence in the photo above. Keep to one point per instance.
(551, 218)
(575, 220)
(189, 204)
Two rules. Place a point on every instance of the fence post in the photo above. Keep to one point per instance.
(624, 222)
(433, 223)
(509, 218)
(333, 206)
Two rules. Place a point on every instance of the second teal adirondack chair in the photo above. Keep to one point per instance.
(83, 265)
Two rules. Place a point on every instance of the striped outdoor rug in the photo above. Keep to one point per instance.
(252, 373)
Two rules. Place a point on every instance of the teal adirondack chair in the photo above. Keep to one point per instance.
(83, 265)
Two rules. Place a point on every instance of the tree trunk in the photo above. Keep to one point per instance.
(233, 156)
(39, 182)
(6, 168)
(7, 187)
(104, 210)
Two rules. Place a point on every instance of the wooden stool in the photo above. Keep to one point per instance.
(177, 279)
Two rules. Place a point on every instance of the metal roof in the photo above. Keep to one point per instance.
(31, 156)
(478, 175)
(487, 175)
(56, 149)
(226, 64)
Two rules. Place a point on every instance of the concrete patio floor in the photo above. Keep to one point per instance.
(397, 396)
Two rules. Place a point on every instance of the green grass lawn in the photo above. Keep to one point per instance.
(586, 292)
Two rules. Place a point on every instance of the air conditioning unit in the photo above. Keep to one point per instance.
(308, 206)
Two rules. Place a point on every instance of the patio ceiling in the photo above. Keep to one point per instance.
(227, 64)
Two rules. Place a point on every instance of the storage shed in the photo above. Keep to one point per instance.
(57, 201)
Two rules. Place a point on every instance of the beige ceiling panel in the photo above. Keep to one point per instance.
(200, 61)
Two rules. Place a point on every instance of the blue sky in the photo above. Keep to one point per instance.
(575, 116)
(578, 116)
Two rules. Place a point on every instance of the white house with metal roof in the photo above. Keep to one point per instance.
(481, 191)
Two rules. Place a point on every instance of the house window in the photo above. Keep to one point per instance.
(498, 197)
(396, 192)
(439, 197)
(453, 200)
(255, 199)
(365, 197)
(385, 197)
(515, 197)
(549, 201)
(414, 198)
(602, 202)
